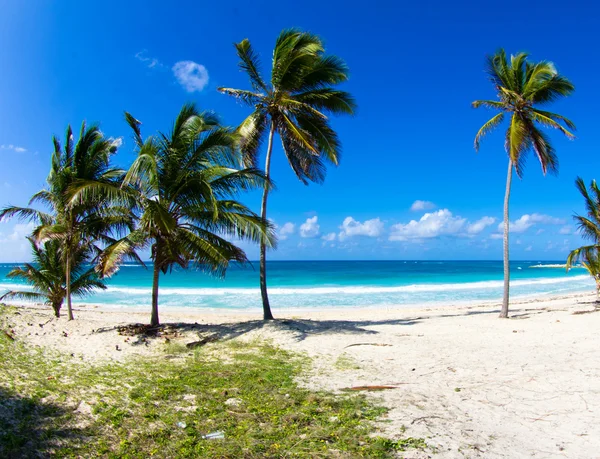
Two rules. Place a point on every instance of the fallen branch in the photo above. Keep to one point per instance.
(367, 344)
(373, 388)
(9, 336)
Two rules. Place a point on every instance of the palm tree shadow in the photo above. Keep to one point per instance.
(30, 428)
(300, 329)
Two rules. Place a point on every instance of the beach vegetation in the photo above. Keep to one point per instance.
(522, 87)
(46, 276)
(246, 396)
(589, 228)
(80, 226)
(294, 104)
(183, 184)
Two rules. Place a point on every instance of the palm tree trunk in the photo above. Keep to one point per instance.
(154, 322)
(267, 315)
(56, 307)
(68, 286)
(504, 311)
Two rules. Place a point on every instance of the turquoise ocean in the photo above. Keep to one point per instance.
(335, 284)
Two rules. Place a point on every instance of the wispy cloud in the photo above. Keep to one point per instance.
(328, 237)
(191, 75)
(480, 225)
(150, 62)
(567, 229)
(19, 232)
(528, 220)
(14, 148)
(287, 229)
(419, 205)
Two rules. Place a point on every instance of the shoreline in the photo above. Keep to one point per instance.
(516, 300)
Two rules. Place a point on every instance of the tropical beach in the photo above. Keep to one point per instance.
(466, 385)
(298, 231)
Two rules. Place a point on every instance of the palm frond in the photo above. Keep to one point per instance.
(487, 127)
(250, 63)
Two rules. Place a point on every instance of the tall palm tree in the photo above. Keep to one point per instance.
(589, 228)
(294, 104)
(184, 183)
(47, 276)
(521, 88)
(77, 224)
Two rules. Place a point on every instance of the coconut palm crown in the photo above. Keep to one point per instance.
(46, 274)
(79, 225)
(184, 183)
(522, 87)
(295, 104)
(589, 228)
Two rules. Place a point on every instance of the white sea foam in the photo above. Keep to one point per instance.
(554, 266)
(349, 290)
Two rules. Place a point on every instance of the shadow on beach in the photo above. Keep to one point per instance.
(299, 328)
(30, 428)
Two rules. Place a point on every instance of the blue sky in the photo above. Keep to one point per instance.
(415, 68)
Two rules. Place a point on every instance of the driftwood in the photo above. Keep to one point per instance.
(9, 336)
(369, 388)
(202, 342)
(367, 344)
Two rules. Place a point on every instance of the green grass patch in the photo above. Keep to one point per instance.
(54, 405)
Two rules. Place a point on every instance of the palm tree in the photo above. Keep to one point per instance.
(589, 228)
(47, 276)
(184, 183)
(77, 224)
(521, 88)
(295, 104)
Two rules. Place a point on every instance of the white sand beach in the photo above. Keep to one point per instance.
(469, 383)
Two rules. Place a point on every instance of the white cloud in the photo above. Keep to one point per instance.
(13, 246)
(351, 227)
(419, 205)
(529, 248)
(14, 148)
(190, 75)
(430, 225)
(527, 221)
(287, 229)
(480, 225)
(565, 230)
(150, 62)
(310, 228)
(117, 143)
(328, 237)
(496, 236)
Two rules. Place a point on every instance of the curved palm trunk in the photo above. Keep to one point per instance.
(154, 318)
(68, 286)
(504, 310)
(267, 315)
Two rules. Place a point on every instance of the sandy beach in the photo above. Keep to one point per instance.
(469, 383)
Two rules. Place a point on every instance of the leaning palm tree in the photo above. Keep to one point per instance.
(294, 104)
(184, 184)
(46, 276)
(589, 228)
(521, 88)
(77, 224)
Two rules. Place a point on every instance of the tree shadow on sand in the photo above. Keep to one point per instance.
(30, 428)
(300, 329)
